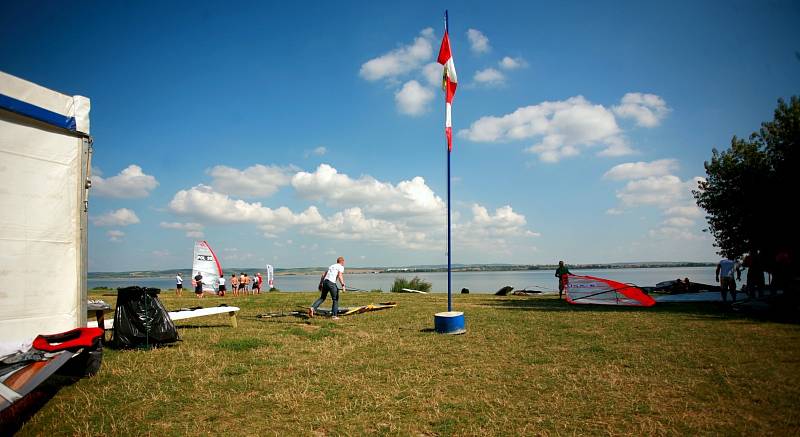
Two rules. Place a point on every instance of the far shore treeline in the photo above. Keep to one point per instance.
(186, 273)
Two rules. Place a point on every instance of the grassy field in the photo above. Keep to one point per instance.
(527, 366)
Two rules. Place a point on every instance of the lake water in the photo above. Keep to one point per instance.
(476, 282)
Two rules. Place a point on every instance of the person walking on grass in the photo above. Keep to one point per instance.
(178, 284)
(562, 273)
(725, 271)
(234, 285)
(327, 284)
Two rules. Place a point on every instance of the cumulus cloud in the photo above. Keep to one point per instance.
(407, 198)
(478, 42)
(115, 235)
(489, 76)
(255, 181)
(639, 170)
(193, 230)
(203, 202)
(412, 99)
(433, 73)
(509, 63)
(564, 128)
(130, 183)
(401, 60)
(119, 217)
(497, 230)
(647, 109)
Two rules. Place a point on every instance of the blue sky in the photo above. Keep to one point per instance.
(289, 134)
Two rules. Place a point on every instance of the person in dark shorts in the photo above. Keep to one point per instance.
(562, 273)
(178, 284)
(198, 285)
(221, 292)
(256, 284)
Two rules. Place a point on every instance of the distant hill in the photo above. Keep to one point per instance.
(407, 269)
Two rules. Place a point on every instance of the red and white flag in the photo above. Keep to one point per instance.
(449, 83)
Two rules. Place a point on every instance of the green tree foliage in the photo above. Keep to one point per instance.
(751, 190)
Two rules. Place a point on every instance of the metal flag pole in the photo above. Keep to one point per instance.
(449, 257)
(449, 322)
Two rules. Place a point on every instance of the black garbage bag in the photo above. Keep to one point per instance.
(140, 319)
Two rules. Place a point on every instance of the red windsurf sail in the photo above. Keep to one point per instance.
(599, 291)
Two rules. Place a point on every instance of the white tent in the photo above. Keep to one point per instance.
(45, 154)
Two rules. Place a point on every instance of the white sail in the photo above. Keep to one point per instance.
(270, 277)
(206, 263)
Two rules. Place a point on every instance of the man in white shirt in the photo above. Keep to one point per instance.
(222, 290)
(327, 284)
(725, 271)
(178, 284)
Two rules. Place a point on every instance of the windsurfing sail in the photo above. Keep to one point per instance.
(270, 277)
(207, 264)
(599, 291)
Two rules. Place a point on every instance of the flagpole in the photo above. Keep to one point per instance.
(449, 257)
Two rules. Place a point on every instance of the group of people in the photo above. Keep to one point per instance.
(240, 285)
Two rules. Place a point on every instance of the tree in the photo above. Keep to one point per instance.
(750, 191)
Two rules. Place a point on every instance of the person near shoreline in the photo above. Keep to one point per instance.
(726, 269)
(234, 284)
(178, 284)
(221, 291)
(327, 284)
(242, 290)
(247, 282)
(256, 284)
(562, 273)
(198, 285)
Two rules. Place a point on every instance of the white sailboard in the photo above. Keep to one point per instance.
(270, 277)
(206, 263)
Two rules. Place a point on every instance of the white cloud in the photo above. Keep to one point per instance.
(614, 211)
(408, 198)
(130, 183)
(255, 181)
(647, 109)
(319, 151)
(673, 233)
(120, 217)
(639, 170)
(509, 63)
(679, 222)
(160, 253)
(654, 190)
(492, 231)
(563, 126)
(687, 211)
(115, 235)
(433, 73)
(412, 99)
(489, 76)
(193, 230)
(478, 42)
(401, 60)
(203, 202)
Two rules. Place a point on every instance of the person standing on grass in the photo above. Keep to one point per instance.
(178, 284)
(247, 287)
(234, 284)
(562, 273)
(726, 268)
(198, 285)
(221, 286)
(327, 284)
(257, 283)
(242, 290)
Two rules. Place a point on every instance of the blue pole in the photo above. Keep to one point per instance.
(449, 256)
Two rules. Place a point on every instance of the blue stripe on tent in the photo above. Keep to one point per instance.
(35, 112)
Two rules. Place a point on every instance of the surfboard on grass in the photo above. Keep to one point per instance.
(346, 311)
(24, 380)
